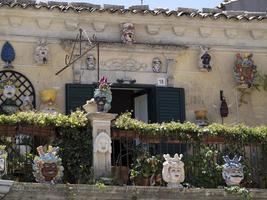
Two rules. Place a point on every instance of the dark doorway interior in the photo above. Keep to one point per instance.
(122, 101)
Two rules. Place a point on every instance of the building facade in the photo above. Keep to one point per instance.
(157, 54)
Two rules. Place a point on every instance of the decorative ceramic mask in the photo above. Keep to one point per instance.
(47, 167)
(102, 143)
(103, 96)
(173, 170)
(156, 65)
(41, 52)
(3, 161)
(128, 33)
(90, 62)
(9, 89)
(245, 71)
(205, 63)
(48, 101)
(232, 171)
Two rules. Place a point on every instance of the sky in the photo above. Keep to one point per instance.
(171, 4)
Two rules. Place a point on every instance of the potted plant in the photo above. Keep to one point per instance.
(146, 170)
(103, 95)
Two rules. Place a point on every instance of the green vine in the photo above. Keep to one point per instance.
(191, 132)
(74, 120)
(244, 192)
(76, 152)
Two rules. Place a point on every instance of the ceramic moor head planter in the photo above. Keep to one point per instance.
(173, 170)
(103, 96)
(47, 167)
(232, 172)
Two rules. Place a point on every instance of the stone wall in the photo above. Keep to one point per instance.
(173, 39)
(26, 191)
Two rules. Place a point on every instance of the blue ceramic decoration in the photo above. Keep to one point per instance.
(8, 54)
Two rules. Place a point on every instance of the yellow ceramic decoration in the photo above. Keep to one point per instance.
(48, 95)
(48, 98)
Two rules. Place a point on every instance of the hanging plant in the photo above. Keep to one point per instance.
(8, 54)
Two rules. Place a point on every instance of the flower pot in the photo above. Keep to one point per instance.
(201, 114)
(37, 130)
(121, 173)
(142, 181)
(116, 134)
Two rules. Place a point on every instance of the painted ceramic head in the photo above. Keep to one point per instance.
(233, 172)
(47, 167)
(9, 91)
(156, 65)
(128, 33)
(41, 52)
(90, 62)
(103, 95)
(173, 169)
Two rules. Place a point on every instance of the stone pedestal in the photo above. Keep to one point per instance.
(102, 149)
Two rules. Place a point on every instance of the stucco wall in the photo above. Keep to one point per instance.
(169, 38)
(26, 191)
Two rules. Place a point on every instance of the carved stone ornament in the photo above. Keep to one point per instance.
(156, 65)
(47, 167)
(205, 63)
(232, 171)
(90, 62)
(173, 170)
(102, 143)
(128, 64)
(44, 23)
(244, 70)
(41, 52)
(153, 29)
(179, 31)
(205, 31)
(128, 33)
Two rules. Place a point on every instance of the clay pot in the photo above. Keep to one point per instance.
(121, 173)
(201, 114)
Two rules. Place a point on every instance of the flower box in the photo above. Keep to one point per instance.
(214, 140)
(47, 131)
(117, 134)
(8, 130)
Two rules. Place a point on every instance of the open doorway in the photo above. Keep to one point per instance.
(134, 100)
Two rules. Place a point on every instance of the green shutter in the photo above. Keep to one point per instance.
(77, 95)
(169, 104)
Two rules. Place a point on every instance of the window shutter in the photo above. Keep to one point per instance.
(77, 95)
(169, 104)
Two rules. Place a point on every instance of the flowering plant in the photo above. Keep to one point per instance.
(103, 95)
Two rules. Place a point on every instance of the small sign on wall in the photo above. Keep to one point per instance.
(161, 82)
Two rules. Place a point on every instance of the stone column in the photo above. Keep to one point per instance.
(102, 149)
